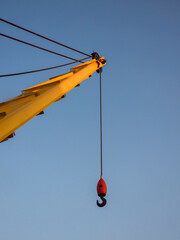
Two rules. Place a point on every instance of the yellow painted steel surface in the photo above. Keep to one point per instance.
(17, 111)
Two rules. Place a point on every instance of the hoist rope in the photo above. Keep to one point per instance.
(25, 29)
(39, 70)
(44, 49)
(100, 86)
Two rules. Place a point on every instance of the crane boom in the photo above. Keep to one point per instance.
(19, 110)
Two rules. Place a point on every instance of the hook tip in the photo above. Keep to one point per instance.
(103, 202)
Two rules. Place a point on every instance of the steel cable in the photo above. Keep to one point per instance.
(44, 49)
(100, 86)
(25, 29)
(40, 70)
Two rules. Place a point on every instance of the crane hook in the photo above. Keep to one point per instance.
(101, 191)
(103, 202)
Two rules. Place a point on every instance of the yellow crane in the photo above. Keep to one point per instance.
(19, 110)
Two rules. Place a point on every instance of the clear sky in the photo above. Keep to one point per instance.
(49, 171)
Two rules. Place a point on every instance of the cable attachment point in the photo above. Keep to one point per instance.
(95, 55)
(99, 70)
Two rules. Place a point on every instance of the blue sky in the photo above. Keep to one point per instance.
(49, 171)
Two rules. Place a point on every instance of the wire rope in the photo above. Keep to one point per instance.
(44, 49)
(101, 153)
(39, 70)
(25, 29)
